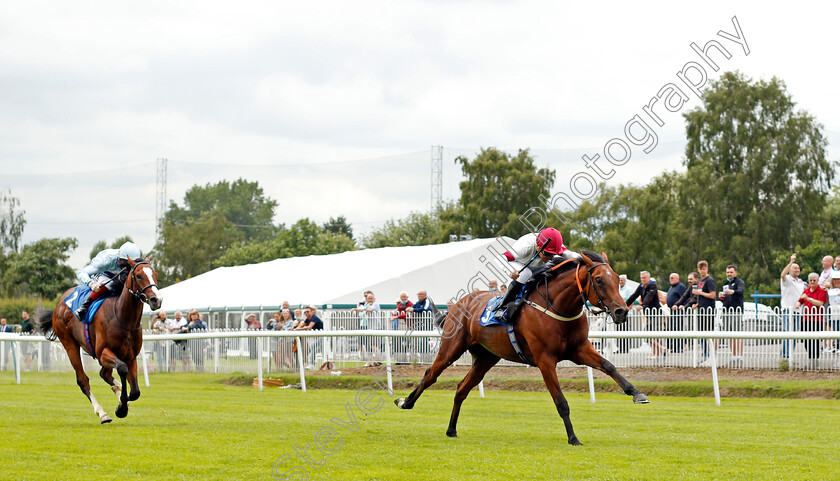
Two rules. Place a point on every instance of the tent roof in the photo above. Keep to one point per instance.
(442, 270)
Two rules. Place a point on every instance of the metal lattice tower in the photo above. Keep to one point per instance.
(160, 204)
(437, 177)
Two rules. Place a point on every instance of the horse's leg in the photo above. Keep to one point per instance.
(450, 350)
(110, 360)
(132, 380)
(482, 362)
(588, 356)
(74, 353)
(107, 375)
(548, 369)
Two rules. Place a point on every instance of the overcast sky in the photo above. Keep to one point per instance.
(333, 106)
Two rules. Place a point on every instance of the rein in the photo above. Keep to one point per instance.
(137, 295)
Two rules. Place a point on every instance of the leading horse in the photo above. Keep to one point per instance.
(551, 327)
(114, 336)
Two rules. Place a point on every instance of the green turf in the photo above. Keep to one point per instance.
(190, 426)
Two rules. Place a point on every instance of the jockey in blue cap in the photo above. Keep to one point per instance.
(102, 274)
(530, 250)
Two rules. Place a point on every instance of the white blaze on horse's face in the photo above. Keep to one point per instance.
(151, 277)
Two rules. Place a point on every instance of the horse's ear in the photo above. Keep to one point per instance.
(604, 255)
(586, 259)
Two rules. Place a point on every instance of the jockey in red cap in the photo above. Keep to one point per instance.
(522, 256)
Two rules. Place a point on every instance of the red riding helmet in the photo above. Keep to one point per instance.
(555, 245)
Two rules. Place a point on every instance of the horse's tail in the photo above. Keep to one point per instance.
(437, 316)
(43, 320)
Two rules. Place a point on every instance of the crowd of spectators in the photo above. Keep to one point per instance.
(808, 306)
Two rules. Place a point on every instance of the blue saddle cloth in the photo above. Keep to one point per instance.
(487, 318)
(78, 297)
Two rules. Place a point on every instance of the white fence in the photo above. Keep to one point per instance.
(753, 339)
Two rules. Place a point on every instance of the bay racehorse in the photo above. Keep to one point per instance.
(114, 336)
(551, 327)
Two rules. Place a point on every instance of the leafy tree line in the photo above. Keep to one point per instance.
(756, 187)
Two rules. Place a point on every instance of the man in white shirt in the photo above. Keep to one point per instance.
(791, 288)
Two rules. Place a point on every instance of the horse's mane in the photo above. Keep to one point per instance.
(593, 256)
(547, 272)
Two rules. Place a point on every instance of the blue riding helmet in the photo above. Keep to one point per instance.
(129, 250)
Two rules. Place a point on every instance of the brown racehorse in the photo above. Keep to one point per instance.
(544, 340)
(115, 334)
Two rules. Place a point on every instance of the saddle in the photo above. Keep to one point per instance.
(79, 296)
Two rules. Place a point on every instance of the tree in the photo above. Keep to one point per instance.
(303, 238)
(498, 189)
(40, 269)
(339, 225)
(416, 229)
(214, 218)
(190, 248)
(757, 178)
(11, 221)
(242, 203)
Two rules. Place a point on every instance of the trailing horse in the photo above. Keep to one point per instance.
(551, 327)
(114, 335)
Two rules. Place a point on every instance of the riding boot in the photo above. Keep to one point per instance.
(80, 312)
(507, 306)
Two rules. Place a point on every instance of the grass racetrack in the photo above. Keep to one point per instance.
(193, 427)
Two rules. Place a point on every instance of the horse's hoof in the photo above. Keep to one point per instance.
(134, 395)
(574, 442)
(640, 399)
(401, 403)
(121, 411)
(452, 434)
(104, 419)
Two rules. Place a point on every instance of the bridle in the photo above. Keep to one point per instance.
(141, 294)
(553, 312)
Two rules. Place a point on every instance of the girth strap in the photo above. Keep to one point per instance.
(551, 314)
(87, 341)
(516, 347)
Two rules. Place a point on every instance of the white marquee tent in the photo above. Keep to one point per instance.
(331, 280)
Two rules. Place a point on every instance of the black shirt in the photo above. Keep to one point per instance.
(706, 284)
(319, 324)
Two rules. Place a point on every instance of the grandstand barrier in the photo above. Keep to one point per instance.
(768, 341)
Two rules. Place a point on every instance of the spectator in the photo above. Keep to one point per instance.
(370, 314)
(833, 294)
(286, 323)
(4, 327)
(400, 313)
(159, 326)
(706, 292)
(828, 268)
(177, 349)
(649, 293)
(252, 324)
(26, 349)
(420, 308)
(680, 310)
(732, 297)
(791, 288)
(675, 292)
(837, 263)
(175, 324)
(811, 300)
(196, 346)
(503, 289)
(273, 322)
(625, 291)
(313, 322)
